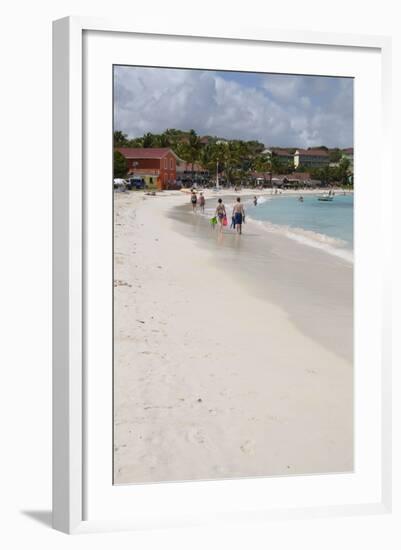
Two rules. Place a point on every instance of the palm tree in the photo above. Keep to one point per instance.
(208, 157)
(344, 171)
(148, 140)
(278, 166)
(194, 146)
(137, 142)
(120, 139)
(263, 164)
(163, 140)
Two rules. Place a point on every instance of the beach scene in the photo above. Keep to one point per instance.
(233, 275)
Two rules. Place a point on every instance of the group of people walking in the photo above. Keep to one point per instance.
(220, 216)
(195, 201)
(237, 217)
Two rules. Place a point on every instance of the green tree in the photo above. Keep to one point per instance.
(136, 142)
(262, 163)
(279, 166)
(148, 140)
(255, 147)
(208, 158)
(190, 149)
(335, 155)
(344, 171)
(164, 140)
(119, 165)
(194, 147)
(120, 139)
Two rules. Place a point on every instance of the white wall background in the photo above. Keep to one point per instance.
(25, 399)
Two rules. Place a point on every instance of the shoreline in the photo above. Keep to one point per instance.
(206, 383)
(280, 270)
(303, 236)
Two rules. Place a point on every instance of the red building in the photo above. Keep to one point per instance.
(150, 162)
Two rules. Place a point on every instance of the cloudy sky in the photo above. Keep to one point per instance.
(281, 110)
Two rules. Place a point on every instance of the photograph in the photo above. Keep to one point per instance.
(233, 274)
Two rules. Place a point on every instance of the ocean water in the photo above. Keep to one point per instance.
(324, 225)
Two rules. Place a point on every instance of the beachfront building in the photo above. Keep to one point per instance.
(296, 180)
(261, 179)
(348, 154)
(157, 166)
(312, 158)
(188, 172)
(282, 155)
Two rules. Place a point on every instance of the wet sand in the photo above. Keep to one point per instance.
(312, 286)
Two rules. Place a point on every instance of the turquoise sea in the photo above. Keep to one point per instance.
(324, 225)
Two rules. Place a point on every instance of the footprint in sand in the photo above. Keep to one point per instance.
(248, 447)
(195, 435)
(151, 461)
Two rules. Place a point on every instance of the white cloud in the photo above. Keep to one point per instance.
(275, 109)
(282, 87)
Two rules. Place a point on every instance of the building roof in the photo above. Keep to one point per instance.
(349, 151)
(145, 152)
(300, 176)
(312, 152)
(295, 176)
(282, 153)
(278, 151)
(261, 174)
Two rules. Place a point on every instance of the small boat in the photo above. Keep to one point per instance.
(325, 197)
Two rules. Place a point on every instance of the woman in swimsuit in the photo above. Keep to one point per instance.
(220, 213)
(239, 215)
(194, 200)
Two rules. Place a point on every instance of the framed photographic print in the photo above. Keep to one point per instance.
(220, 326)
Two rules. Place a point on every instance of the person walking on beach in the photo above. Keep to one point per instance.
(239, 215)
(202, 202)
(194, 200)
(255, 201)
(221, 214)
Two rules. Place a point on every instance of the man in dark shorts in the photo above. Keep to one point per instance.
(238, 215)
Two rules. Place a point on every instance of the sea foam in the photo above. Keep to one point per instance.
(331, 245)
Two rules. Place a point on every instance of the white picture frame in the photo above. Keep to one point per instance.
(70, 427)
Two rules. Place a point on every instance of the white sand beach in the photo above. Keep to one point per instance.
(224, 366)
